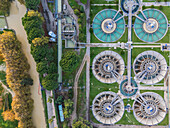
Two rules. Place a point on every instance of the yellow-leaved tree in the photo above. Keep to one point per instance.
(8, 115)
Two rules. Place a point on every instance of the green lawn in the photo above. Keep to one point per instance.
(45, 107)
(81, 99)
(103, 2)
(84, 1)
(2, 22)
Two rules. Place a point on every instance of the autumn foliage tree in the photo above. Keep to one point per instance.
(32, 22)
(17, 78)
(8, 115)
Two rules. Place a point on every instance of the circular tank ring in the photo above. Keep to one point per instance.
(125, 7)
(108, 67)
(150, 67)
(149, 108)
(108, 26)
(151, 25)
(127, 90)
(108, 107)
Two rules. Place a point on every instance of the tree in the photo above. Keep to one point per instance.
(81, 123)
(51, 119)
(36, 23)
(49, 84)
(39, 52)
(52, 68)
(42, 67)
(69, 61)
(68, 108)
(50, 99)
(40, 41)
(144, 7)
(35, 33)
(27, 81)
(7, 124)
(160, 7)
(8, 115)
(152, 6)
(59, 100)
(76, 11)
(32, 4)
(17, 70)
(4, 6)
(21, 1)
(51, 77)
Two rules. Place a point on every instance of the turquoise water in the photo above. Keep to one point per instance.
(108, 14)
(151, 37)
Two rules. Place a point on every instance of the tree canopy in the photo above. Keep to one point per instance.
(49, 84)
(69, 61)
(81, 123)
(32, 4)
(4, 6)
(68, 108)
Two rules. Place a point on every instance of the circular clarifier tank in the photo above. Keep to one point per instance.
(150, 67)
(151, 25)
(128, 90)
(125, 5)
(108, 67)
(149, 108)
(108, 107)
(108, 25)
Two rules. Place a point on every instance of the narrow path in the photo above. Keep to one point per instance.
(6, 88)
(17, 11)
(51, 110)
(74, 115)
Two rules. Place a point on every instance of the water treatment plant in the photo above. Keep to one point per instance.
(138, 76)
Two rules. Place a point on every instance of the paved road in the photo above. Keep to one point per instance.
(104, 4)
(87, 10)
(51, 110)
(14, 22)
(74, 115)
(126, 126)
(49, 18)
(152, 88)
(102, 45)
(156, 3)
